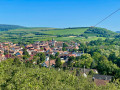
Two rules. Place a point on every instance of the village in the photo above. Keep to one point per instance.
(10, 50)
(52, 47)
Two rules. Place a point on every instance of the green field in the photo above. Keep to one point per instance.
(44, 33)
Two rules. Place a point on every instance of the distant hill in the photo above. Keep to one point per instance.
(117, 31)
(5, 27)
(100, 32)
(16, 33)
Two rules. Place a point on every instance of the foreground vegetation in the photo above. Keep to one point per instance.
(15, 75)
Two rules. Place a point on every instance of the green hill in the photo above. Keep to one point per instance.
(117, 31)
(100, 32)
(5, 27)
(45, 33)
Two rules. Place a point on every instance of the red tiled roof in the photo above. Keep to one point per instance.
(70, 55)
(8, 56)
(100, 82)
(51, 62)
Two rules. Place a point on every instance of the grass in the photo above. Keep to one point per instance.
(36, 34)
(66, 31)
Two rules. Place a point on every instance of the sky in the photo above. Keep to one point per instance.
(60, 13)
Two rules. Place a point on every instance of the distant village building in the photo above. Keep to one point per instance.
(101, 79)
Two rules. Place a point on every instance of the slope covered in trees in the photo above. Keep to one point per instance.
(15, 75)
(5, 27)
(100, 32)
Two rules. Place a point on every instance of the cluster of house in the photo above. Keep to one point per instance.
(10, 50)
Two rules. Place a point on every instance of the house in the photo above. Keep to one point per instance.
(8, 55)
(72, 55)
(19, 53)
(77, 53)
(88, 70)
(101, 79)
(46, 63)
(2, 57)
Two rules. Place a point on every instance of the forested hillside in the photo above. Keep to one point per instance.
(5, 27)
(100, 32)
(117, 31)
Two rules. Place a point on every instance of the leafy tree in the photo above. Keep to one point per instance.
(63, 49)
(13, 77)
(42, 58)
(91, 72)
(58, 63)
(112, 57)
(118, 61)
(16, 62)
(107, 67)
(51, 56)
(65, 45)
(70, 61)
(25, 52)
(86, 60)
(57, 54)
(25, 57)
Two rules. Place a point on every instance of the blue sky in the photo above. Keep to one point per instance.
(60, 13)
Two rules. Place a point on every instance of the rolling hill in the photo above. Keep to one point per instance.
(23, 34)
(117, 31)
(5, 27)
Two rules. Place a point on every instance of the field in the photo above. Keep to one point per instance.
(43, 34)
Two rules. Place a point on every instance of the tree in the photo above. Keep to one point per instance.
(58, 63)
(57, 54)
(63, 49)
(112, 57)
(70, 61)
(52, 57)
(42, 58)
(25, 52)
(16, 61)
(65, 45)
(118, 61)
(107, 67)
(25, 57)
(86, 60)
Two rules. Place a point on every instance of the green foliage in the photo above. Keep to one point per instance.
(25, 52)
(64, 49)
(86, 60)
(91, 72)
(52, 57)
(41, 58)
(70, 61)
(65, 45)
(112, 57)
(57, 54)
(107, 67)
(58, 63)
(29, 35)
(13, 77)
(100, 32)
(4, 27)
(16, 62)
